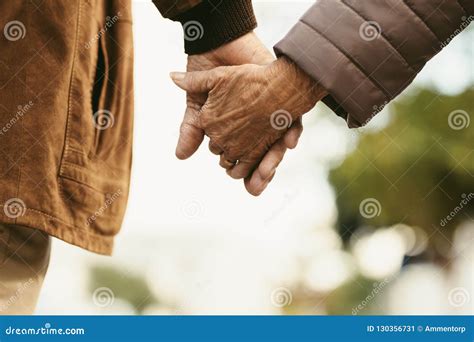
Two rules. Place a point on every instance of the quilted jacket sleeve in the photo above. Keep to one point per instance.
(365, 52)
(208, 24)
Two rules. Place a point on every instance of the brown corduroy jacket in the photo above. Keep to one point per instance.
(66, 89)
(66, 111)
(66, 115)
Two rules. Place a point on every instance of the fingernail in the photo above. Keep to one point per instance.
(177, 76)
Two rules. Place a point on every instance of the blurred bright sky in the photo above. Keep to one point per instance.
(189, 224)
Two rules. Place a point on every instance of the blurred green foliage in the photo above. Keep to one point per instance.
(419, 168)
(128, 287)
(358, 296)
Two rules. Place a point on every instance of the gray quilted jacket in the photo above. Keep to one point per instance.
(365, 52)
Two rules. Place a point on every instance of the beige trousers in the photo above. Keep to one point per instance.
(24, 259)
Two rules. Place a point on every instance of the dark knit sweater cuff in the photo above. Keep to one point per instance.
(208, 26)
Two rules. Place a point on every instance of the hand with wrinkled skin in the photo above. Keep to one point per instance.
(247, 49)
(249, 108)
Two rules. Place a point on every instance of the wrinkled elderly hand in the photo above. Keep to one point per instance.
(249, 108)
(247, 49)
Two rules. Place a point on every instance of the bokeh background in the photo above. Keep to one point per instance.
(377, 220)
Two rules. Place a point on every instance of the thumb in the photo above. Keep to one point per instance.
(292, 136)
(196, 81)
(190, 136)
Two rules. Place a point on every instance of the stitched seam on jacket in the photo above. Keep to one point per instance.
(63, 222)
(22, 134)
(71, 86)
(392, 47)
(353, 61)
(88, 232)
(71, 179)
(92, 242)
(421, 19)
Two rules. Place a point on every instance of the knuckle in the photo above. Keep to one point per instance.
(219, 74)
(204, 120)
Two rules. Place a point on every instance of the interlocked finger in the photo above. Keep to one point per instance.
(225, 163)
(215, 148)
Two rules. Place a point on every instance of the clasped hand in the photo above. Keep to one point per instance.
(251, 113)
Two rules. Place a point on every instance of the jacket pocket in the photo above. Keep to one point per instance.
(97, 154)
(112, 96)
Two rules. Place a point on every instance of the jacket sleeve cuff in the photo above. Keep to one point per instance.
(357, 73)
(207, 26)
(346, 87)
